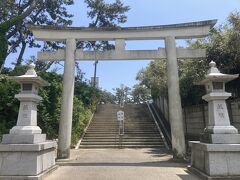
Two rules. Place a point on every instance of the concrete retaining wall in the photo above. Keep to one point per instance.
(195, 117)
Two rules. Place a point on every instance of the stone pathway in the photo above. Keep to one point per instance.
(121, 164)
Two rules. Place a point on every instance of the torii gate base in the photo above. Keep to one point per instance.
(169, 33)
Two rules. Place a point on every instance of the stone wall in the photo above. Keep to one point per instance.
(162, 104)
(235, 114)
(195, 117)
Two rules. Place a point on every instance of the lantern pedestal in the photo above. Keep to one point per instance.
(215, 161)
(219, 130)
(220, 138)
(23, 138)
(26, 161)
(26, 131)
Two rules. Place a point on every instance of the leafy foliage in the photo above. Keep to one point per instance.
(154, 77)
(15, 15)
(222, 46)
(50, 107)
(104, 15)
(8, 104)
(107, 97)
(123, 93)
(140, 94)
(81, 117)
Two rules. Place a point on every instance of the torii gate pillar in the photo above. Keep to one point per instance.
(65, 124)
(174, 100)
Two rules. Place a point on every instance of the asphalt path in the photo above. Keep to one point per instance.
(121, 164)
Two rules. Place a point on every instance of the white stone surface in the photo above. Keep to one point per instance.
(222, 138)
(216, 159)
(218, 123)
(25, 130)
(121, 55)
(175, 107)
(28, 97)
(180, 31)
(31, 162)
(65, 124)
(23, 138)
(27, 115)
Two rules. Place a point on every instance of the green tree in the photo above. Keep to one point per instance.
(222, 46)
(14, 15)
(123, 93)
(8, 104)
(140, 94)
(50, 107)
(154, 77)
(106, 97)
(50, 13)
(104, 15)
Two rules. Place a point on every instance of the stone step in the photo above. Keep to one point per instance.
(126, 130)
(149, 134)
(117, 131)
(124, 140)
(123, 146)
(126, 127)
(116, 136)
(126, 124)
(140, 129)
(125, 137)
(123, 143)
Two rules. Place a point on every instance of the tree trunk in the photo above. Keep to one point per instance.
(5, 26)
(20, 56)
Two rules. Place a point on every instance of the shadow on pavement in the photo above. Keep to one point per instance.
(159, 152)
(168, 163)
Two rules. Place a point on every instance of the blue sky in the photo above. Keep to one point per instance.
(143, 13)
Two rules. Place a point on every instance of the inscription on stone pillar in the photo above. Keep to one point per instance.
(24, 115)
(25, 107)
(220, 111)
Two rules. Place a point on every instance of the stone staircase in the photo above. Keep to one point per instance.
(140, 129)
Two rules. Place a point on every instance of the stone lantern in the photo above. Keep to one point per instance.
(26, 130)
(217, 155)
(218, 128)
(24, 152)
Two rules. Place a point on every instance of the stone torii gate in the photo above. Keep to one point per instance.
(168, 33)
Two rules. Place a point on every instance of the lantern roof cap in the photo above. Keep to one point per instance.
(30, 77)
(214, 75)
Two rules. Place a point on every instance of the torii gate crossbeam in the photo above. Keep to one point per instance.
(166, 32)
(121, 55)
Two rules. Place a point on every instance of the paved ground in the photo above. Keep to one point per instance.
(121, 164)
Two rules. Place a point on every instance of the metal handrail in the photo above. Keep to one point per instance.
(162, 124)
(159, 129)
